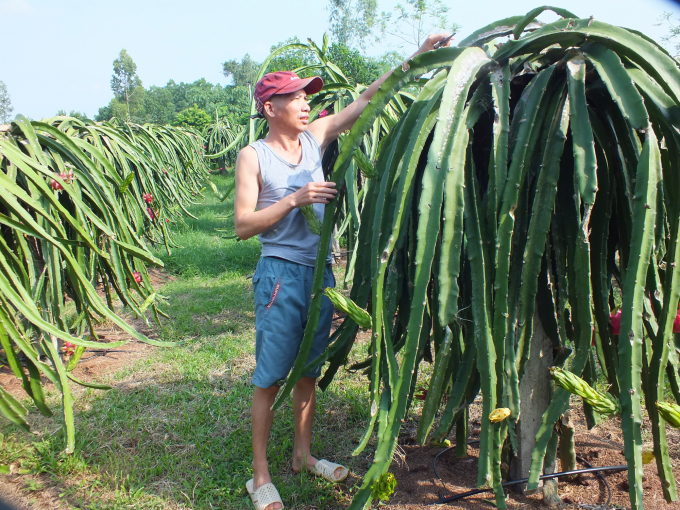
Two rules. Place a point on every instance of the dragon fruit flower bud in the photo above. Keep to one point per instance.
(670, 412)
(150, 212)
(147, 197)
(55, 185)
(137, 276)
(357, 314)
(69, 348)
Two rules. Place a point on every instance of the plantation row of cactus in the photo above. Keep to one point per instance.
(81, 206)
(537, 177)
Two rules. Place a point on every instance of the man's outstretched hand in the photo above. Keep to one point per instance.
(328, 128)
(431, 40)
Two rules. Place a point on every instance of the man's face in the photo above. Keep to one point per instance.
(289, 110)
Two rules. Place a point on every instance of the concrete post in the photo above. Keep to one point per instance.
(534, 399)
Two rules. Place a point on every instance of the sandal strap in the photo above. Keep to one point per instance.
(264, 496)
(327, 469)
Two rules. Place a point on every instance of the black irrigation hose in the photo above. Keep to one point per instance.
(589, 469)
(103, 351)
(434, 463)
(600, 476)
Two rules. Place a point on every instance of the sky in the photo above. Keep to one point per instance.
(59, 54)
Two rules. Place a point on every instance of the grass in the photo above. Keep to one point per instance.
(174, 432)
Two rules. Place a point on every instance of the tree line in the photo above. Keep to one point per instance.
(352, 25)
(200, 103)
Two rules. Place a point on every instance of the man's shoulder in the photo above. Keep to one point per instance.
(248, 152)
(247, 160)
(248, 155)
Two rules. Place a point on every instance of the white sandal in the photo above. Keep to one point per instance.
(264, 496)
(327, 469)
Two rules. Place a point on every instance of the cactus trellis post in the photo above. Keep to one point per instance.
(534, 399)
(525, 178)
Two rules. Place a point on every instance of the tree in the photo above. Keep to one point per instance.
(292, 59)
(193, 117)
(124, 111)
(358, 68)
(673, 32)
(571, 144)
(125, 83)
(75, 114)
(415, 20)
(159, 104)
(352, 21)
(6, 108)
(242, 73)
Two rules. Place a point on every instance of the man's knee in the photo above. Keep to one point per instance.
(306, 382)
(268, 393)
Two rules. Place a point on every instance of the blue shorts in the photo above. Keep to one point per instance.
(282, 297)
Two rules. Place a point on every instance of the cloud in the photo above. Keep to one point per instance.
(8, 7)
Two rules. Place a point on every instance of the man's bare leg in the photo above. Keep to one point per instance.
(262, 418)
(304, 405)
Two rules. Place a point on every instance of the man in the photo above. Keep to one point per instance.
(274, 178)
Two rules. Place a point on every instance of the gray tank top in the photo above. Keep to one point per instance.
(290, 238)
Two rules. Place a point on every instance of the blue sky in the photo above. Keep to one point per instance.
(59, 54)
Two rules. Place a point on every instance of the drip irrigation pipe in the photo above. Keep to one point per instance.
(108, 350)
(589, 469)
(103, 352)
(434, 463)
(600, 476)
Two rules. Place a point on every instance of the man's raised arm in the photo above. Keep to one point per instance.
(329, 128)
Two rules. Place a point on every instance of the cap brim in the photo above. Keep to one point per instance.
(310, 85)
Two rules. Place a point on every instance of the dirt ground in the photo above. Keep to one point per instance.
(96, 363)
(417, 485)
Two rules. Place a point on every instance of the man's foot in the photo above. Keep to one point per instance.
(311, 462)
(260, 479)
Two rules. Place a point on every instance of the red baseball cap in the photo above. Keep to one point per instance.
(283, 82)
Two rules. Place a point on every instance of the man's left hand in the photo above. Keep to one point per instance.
(329, 128)
(431, 40)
